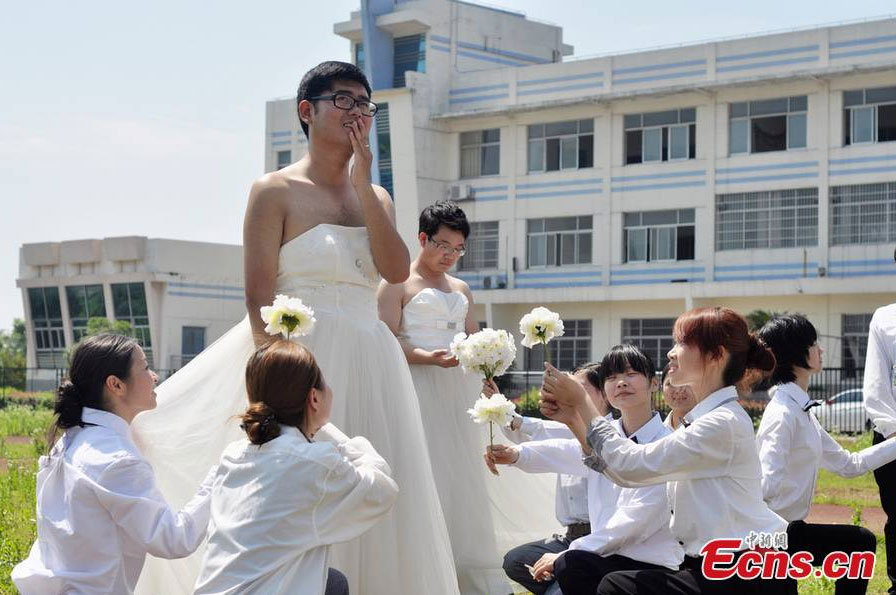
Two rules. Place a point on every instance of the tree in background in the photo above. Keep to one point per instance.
(12, 355)
(757, 318)
(99, 325)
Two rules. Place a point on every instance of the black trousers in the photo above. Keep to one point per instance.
(821, 540)
(337, 584)
(579, 572)
(529, 553)
(687, 581)
(886, 482)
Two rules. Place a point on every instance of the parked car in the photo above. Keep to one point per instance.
(844, 412)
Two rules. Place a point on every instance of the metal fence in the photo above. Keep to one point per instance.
(30, 380)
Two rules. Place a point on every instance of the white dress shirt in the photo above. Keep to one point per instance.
(571, 499)
(277, 507)
(99, 513)
(879, 386)
(630, 522)
(792, 445)
(711, 466)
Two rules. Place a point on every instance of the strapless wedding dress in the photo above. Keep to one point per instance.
(331, 269)
(486, 515)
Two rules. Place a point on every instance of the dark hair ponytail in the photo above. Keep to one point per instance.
(93, 361)
(260, 423)
(759, 356)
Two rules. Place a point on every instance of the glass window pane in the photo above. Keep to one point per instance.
(853, 97)
(584, 248)
(551, 250)
(636, 248)
(536, 131)
(96, 303)
(586, 151)
(862, 129)
(768, 106)
(567, 248)
(569, 152)
(886, 123)
(678, 142)
(798, 103)
(470, 138)
(633, 146)
(653, 145)
(561, 128)
(796, 131)
(686, 215)
(491, 156)
(469, 162)
(537, 250)
(659, 217)
(54, 310)
(769, 134)
(552, 154)
(880, 95)
(737, 110)
(138, 299)
(533, 225)
(685, 243)
(662, 243)
(120, 300)
(660, 118)
(77, 301)
(738, 136)
(631, 219)
(585, 221)
(688, 114)
(632, 121)
(536, 155)
(586, 125)
(38, 307)
(561, 224)
(492, 135)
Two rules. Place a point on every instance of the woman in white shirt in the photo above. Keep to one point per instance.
(793, 445)
(98, 509)
(711, 464)
(280, 499)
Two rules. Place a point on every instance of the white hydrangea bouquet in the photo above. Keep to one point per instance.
(495, 409)
(540, 326)
(287, 316)
(488, 352)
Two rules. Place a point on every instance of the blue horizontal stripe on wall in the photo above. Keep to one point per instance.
(746, 180)
(506, 53)
(674, 174)
(660, 77)
(770, 266)
(658, 186)
(441, 38)
(489, 198)
(559, 275)
(666, 66)
(861, 263)
(862, 170)
(862, 41)
(281, 143)
(875, 273)
(868, 159)
(489, 58)
(536, 285)
(655, 281)
(440, 48)
(281, 133)
(478, 98)
(490, 188)
(561, 183)
(463, 90)
(663, 271)
(763, 54)
(767, 64)
(721, 171)
(594, 85)
(202, 286)
(871, 52)
(580, 192)
(216, 296)
(762, 277)
(560, 79)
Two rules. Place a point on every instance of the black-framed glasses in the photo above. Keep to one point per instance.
(346, 102)
(447, 249)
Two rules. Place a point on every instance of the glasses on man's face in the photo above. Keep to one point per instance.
(346, 102)
(447, 249)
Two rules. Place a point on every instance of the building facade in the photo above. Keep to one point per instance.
(177, 296)
(757, 173)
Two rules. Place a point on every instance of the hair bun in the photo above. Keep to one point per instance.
(69, 405)
(260, 423)
(760, 357)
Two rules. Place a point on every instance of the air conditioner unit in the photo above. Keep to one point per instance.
(460, 192)
(493, 282)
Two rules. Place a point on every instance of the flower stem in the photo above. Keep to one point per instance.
(491, 434)
(547, 352)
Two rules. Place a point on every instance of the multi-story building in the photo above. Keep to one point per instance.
(177, 296)
(621, 190)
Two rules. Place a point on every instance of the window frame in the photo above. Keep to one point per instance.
(648, 228)
(480, 233)
(850, 110)
(683, 119)
(556, 237)
(749, 117)
(543, 138)
(758, 216)
(479, 146)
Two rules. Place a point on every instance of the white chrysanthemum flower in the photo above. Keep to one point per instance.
(540, 326)
(287, 316)
(494, 409)
(488, 352)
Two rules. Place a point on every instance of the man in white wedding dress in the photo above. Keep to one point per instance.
(318, 230)
(486, 515)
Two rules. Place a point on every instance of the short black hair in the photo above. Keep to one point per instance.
(789, 337)
(620, 357)
(592, 374)
(443, 212)
(320, 79)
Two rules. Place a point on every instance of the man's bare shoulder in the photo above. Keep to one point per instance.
(458, 284)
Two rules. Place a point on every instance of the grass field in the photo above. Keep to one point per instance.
(22, 441)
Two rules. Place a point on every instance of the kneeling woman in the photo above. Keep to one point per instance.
(711, 464)
(279, 500)
(98, 509)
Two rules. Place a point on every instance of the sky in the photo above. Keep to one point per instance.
(126, 118)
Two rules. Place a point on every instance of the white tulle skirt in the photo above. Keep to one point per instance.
(408, 552)
(486, 515)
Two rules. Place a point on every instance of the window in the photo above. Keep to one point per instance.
(767, 125)
(409, 53)
(359, 55)
(558, 241)
(192, 342)
(869, 115)
(661, 136)
(658, 235)
(384, 147)
(480, 153)
(561, 145)
(863, 214)
(482, 247)
(129, 301)
(653, 336)
(46, 316)
(568, 351)
(284, 158)
(854, 342)
(772, 219)
(84, 302)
